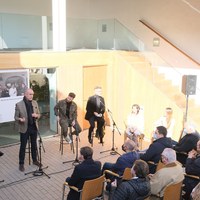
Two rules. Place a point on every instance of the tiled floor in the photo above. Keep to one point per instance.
(18, 186)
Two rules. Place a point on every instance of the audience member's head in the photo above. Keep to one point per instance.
(129, 145)
(196, 192)
(168, 156)
(140, 169)
(86, 153)
(161, 131)
(189, 127)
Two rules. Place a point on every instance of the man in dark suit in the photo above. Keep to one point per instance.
(95, 112)
(87, 170)
(26, 116)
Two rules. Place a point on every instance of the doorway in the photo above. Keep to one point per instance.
(93, 76)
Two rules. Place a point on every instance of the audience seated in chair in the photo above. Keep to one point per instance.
(87, 170)
(192, 167)
(187, 143)
(153, 153)
(136, 188)
(171, 173)
(124, 161)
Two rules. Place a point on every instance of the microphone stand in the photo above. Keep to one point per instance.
(113, 149)
(39, 171)
(76, 160)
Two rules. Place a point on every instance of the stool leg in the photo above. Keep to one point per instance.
(92, 138)
(61, 143)
(71, 137)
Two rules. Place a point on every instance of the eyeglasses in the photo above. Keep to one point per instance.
(163, 156)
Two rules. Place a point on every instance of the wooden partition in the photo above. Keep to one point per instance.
(122, 84)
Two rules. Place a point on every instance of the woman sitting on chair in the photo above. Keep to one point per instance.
(135, 124)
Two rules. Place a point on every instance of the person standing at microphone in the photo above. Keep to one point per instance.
(95, 109)
(26, 116)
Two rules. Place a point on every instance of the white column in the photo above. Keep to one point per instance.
(59, 25)
(44, 33)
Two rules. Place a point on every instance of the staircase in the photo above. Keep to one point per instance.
(142, 66)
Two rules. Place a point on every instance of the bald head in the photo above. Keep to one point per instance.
(29, 94)
(130, 145)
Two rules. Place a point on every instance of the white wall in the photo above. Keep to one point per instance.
(177, 20)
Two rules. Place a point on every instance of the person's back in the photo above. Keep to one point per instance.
(124, 161)
(171, 173)
(187, 143)
(137, 187)
(87, 170)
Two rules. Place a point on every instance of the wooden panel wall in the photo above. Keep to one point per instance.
(124, 85)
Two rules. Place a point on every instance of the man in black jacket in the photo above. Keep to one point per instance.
(138, 187)
(193, 168)
(87, 170)
(94, 112)
(187, 143)
(153, 153)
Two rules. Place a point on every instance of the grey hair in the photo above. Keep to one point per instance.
(131, 145)
(170, 154)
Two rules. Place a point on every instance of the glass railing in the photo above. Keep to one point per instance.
(26, 32)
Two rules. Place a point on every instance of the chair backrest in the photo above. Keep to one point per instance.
(93, 188)
(173, 191)
(127, 175)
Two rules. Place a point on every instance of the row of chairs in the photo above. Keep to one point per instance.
(94, 189)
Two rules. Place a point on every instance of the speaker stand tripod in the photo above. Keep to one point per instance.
(40, 170)
(75, 161)
(113, 149)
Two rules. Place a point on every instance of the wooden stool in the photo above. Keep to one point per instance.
(62, 139)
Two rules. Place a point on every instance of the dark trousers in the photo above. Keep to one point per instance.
(65, 123)
(100, 123)
(32, 133)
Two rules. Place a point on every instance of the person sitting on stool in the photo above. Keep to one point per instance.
(26, 115)
(94, 112)
(66, 112)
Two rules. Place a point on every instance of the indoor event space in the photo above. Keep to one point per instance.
(107, 85)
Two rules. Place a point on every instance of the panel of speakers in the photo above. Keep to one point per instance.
(189, 84)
